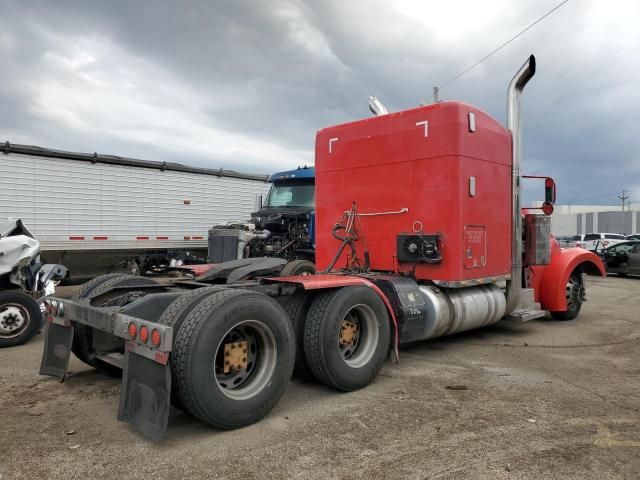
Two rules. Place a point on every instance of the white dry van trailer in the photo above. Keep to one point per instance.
(96, 213)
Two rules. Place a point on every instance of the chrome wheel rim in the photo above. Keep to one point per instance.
(358, 335)
(14, 319)
(572, 293)
(246, 369)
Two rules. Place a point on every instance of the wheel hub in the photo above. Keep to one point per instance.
(575, 293)
(348, 332)
(245, 360)
(11, 319)
(235, 356)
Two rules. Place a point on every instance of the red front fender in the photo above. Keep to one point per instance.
(563, 263)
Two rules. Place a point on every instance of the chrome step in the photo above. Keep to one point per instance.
(525, 315)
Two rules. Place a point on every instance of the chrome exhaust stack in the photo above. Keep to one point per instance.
(514, 124)
(376, 106)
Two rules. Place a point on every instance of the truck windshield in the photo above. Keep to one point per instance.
(291, 195)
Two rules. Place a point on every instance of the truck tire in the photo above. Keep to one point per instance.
(175, 314)
(82, 345)
(86, 288)
(347, 337)
(574, 290)
(298, 267)
(233, 396)
(20, 318)
(297, 307)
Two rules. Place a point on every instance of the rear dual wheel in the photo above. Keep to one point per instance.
(232, 358)
(347, 337)
(82, 345)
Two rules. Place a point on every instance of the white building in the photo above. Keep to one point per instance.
(580, 219)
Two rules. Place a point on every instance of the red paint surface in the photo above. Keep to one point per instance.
(552, 279)
(386, 164)
(197, 270)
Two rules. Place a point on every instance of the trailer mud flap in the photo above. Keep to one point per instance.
(57, 349)
(145, 395)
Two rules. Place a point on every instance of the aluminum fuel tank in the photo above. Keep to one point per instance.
(456, 310)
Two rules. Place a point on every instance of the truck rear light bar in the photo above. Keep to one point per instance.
(135, 331)
(144, 334)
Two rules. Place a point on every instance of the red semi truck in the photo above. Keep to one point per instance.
(420, 234)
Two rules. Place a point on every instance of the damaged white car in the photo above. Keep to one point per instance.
(23, 280)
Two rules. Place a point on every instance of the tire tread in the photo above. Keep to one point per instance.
(182, 352)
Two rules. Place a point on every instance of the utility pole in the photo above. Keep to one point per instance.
(623, 197)
(436, 94)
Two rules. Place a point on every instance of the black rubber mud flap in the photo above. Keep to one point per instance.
(57, 348)
(145, 395)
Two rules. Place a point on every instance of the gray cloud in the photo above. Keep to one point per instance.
(245, 85)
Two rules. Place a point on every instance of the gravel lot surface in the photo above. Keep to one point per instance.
(543, 399)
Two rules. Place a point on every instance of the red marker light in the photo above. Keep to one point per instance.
(144, 334)
(133, 330)
(156, 338)
(547, 208)
(548, 183)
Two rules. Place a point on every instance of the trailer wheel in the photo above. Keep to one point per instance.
(20, 318)
(82, 345)
(347, 337)
(297, 307)
(575, 294)
(233, 357)
(298, 267)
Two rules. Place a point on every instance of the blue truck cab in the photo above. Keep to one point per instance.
(291, 202)
(283, 227)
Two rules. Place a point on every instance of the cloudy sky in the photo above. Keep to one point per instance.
(245, 85)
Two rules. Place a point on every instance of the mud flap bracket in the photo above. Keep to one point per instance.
(57, 349)
(145, 394)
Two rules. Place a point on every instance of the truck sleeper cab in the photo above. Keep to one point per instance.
(420, 234)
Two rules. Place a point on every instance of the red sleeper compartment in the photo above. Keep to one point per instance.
(451, 180)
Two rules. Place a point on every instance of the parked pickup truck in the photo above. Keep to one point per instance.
(596, 242)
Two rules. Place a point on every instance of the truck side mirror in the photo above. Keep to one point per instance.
(258, 203)
(549, 190)
(549, 196)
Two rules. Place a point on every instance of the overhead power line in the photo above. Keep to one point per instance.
(449, 82)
